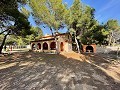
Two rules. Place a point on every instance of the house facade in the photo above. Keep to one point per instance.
(48, 43)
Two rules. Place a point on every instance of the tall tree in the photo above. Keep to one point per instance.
(36, 34)
(71, 19)
(79, 18)
(113, 27)
(19, 40)
(98, 35)
(11, 20)
(50, 13)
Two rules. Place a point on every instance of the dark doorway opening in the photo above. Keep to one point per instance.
(33, 46)
(39, 46)
(53, 46)
(89, 49)
(45, 46)
(62, 46)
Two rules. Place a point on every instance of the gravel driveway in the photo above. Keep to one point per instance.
(39, 71)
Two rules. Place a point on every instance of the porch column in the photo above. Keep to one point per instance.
(41, 46)
(48, 45)
(36, 46)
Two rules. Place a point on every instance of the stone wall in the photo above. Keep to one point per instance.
(107, 49)
(102, 49)
(64, 44)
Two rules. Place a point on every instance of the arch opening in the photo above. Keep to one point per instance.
(89, 49)
(53, 46)
(62, 46)
(45, 46)
(39, 46)
(33, 46)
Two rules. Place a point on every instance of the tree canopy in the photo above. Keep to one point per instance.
(12, 21)
(113, 27)
(79, 19)
(49, 12)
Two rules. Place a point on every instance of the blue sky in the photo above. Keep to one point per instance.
(105, 10)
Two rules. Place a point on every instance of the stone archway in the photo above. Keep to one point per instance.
(89, 49)
(61, 46)
(33, 46)
(39, 46)
(45, 46)
(53, 46)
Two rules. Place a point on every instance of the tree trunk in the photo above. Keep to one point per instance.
(51, 31)
(3, 42)
(56, 40)
(78, 48)
(110, 39)
(54, 35)
(113, 43)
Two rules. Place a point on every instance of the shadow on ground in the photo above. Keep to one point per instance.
(40, 71)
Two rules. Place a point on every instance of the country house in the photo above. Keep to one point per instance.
(48, 43)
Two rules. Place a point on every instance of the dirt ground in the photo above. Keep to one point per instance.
(67, 71)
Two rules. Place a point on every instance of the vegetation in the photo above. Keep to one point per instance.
(78, 18)
(50, 13)
(113, 29)
(36, 35)
(11, 20)
(19, 40)
(86, 30)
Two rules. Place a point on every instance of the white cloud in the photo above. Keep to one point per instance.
(111, 4)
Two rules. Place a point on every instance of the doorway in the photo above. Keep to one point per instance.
(89, 49)
(62, 46)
